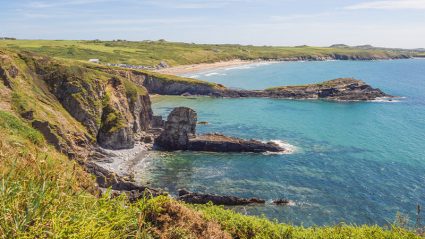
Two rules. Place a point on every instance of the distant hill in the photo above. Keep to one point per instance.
(152, 53)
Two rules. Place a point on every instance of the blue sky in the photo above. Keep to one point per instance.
(391, 23)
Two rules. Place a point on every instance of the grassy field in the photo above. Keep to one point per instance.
(151, 53)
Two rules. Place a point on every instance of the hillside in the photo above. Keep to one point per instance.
(152, 53)
(53, 113)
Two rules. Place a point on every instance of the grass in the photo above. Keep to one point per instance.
(153, 52)
(244, 227)
(45, 195)
(329, 83)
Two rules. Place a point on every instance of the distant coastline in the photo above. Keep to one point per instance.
(185, 69)
(202, 67)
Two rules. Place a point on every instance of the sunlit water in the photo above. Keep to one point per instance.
(354, 162)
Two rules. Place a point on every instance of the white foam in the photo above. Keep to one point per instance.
(289, 148)
(214, 74)
(238, 67)
(388, 99)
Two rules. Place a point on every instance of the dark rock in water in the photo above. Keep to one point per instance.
(222, 143)
(203, 122)
(197, 198)
(281, 202)
(179, 128)
(179, 134)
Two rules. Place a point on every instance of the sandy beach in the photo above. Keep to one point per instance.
(184, 69)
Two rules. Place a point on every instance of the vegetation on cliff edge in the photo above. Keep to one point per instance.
(151, 53)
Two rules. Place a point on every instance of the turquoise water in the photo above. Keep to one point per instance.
(360, 163)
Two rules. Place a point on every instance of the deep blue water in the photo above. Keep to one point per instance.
(360, 163)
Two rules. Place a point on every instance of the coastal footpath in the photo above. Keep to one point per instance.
(56, 118)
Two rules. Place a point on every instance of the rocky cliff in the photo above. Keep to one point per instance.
(72, 102)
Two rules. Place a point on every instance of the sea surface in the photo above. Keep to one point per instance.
(358, 163)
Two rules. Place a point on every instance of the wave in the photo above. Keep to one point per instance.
(289, 148)
(387, 99)
(193, 76)
(214, 74)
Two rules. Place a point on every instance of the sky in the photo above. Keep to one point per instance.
(387, 23)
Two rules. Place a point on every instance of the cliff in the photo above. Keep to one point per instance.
(72, 104)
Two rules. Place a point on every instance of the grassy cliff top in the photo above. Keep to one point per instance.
(153, 52)
(324, 84)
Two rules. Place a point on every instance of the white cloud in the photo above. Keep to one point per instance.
(390, 5)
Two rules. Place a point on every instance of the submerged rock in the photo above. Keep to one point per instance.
(281, 202)
(198, 198)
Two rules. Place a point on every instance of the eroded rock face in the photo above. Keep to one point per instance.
(113, 110)
(48, 132)
(179, 128)
(198, 198)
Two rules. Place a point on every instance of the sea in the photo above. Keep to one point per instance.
(349, 162)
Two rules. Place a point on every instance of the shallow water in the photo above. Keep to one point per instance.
(354, 162)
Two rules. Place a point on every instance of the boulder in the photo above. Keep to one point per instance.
(198, 198)
(178, 129)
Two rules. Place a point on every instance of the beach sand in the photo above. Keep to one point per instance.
(185, 69)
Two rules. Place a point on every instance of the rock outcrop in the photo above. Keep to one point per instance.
(178, 129)
(342, 89)
(221, 143)
(114, 109)
(107, 179)
(198, 198)
(179, 134)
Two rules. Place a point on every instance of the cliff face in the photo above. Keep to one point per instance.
(73, 104)
(163, 84)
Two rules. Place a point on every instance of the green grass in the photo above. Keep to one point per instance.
(326, 84)
(153, 52)
(244, 227)
(45, 195)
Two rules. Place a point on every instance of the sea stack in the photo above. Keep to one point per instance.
(179, 133)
